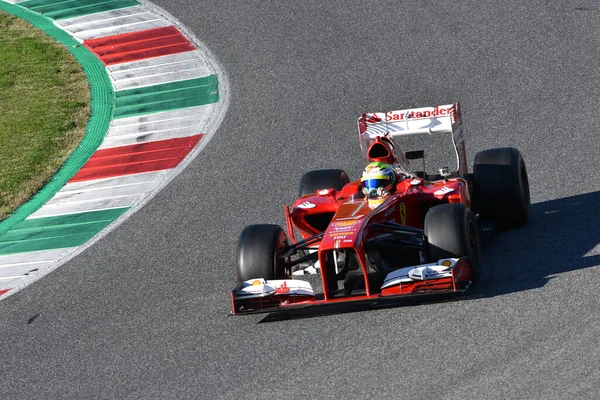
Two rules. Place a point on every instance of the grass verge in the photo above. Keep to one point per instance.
(44, 109)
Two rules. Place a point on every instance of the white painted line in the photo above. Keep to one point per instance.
(157, 79)
(153, 63)
(120, 29)
(96, 195)
(102, 16)
(158, 69)
(146, 177)
(84, 201)
(54, 210)
(109, 23)
(33, 260)
(134, 136)
(11, 281)
(125, 140)
(22, 269)
(109, 19)
(100, 194)
(33, 257)
(162, 116)
(187, 123)
(89, 30)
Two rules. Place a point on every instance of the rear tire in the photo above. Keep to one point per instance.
(501, 187)
(312, 181)
(451, 232)
(258, 247)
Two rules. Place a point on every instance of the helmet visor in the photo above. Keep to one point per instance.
(376, 183)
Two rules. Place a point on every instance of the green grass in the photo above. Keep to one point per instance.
(44, 108)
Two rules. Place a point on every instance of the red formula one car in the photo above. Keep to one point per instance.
(419, 237)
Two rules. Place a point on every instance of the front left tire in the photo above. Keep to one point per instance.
(259, 247)
(312, 181)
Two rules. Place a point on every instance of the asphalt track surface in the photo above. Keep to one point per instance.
(144, 312)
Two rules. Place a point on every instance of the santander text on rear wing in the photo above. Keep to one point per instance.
(443, 119)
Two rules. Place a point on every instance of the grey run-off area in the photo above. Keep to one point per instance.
(143, 313)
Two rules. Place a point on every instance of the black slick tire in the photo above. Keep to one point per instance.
(258, 247)
(312, 181)
(501, 191)
(451, 232)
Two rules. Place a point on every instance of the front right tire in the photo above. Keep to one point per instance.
(451, 232)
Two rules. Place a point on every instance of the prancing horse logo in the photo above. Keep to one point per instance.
(403, 213)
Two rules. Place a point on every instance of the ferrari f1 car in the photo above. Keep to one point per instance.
(421, 239)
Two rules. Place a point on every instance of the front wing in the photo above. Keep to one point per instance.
(449, 275)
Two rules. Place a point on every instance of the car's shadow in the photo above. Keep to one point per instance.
(558, 238)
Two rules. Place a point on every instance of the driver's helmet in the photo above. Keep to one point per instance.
(378, 175)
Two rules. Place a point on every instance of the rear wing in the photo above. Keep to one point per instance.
(444, 119)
